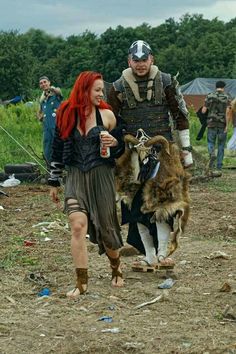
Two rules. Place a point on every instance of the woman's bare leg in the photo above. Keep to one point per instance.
(117, 281)
(79, 224)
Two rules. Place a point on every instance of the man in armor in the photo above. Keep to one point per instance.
(218, 105)
(149, 99)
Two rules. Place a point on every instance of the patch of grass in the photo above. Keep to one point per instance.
(11, 258)
(17, 257)
(17, 240)
(26, 260)
(17, 254)
(222, 185)
(219, 316)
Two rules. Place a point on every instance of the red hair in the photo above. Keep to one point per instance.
(78, 102)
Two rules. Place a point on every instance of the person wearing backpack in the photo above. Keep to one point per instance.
(218, 106)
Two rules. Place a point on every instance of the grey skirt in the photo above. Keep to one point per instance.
(95, 193)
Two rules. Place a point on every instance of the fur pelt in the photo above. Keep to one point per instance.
(167, 194)
(126, 172)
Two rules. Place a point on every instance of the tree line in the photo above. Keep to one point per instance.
(192, 46)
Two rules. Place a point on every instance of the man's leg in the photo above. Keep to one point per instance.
(47, 146)
(163, 234)
(211, 140)
(48, 136)
(221, 147)
(148, 244)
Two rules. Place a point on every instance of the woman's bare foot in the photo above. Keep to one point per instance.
(117, 280)
(75, 293)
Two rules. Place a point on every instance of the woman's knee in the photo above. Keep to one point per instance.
(78, 227)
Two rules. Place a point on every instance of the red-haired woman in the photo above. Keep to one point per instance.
(90, 189)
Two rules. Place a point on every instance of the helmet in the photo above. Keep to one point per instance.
(139, 50)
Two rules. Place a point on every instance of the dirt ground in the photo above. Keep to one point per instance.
(197, 315)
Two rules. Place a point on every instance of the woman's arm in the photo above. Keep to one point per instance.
(114, 139)
(56, 165)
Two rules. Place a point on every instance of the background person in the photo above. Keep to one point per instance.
(147, 98)
(90, 188)
(217, 104)
(49, 102)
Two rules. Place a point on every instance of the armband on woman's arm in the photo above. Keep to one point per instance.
(56, 170)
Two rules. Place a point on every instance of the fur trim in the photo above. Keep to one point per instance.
(178, 210)
(42, 98)
(130, 78)
(168, 209)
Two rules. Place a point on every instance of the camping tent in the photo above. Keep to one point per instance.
(196, 90)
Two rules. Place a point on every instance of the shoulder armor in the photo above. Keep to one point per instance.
(118, 85)
(166, 79)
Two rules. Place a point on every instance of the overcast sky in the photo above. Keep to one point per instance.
(69, 17)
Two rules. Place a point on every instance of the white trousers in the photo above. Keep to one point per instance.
(163, 234)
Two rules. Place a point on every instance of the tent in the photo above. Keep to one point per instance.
(196, 90)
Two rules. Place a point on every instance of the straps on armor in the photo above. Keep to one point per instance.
(158, 88)
(149, 166)
(157, 83)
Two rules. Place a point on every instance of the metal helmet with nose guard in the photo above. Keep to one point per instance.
(139, 50)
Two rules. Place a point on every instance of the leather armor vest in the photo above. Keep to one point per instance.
(152, 115)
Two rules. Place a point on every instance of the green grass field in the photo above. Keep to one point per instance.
(19, 125)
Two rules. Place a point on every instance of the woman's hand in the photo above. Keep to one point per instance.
(54, 195)
(108, 140)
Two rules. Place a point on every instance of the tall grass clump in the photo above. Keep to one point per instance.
(21, 123)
